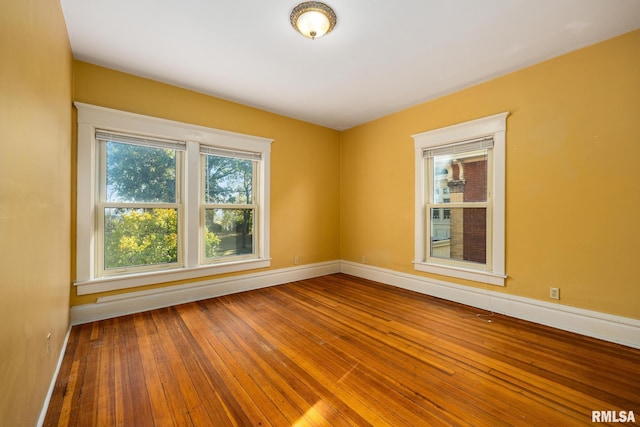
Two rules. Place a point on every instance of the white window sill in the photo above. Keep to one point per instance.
(462, 273)
(112, 283)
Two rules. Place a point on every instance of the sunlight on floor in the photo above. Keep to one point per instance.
(314, 416)
(320, 412)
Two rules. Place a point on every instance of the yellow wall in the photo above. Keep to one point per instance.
(572, 196)
(304, 158)
(572, 177)
(565, 194)
(35, 164)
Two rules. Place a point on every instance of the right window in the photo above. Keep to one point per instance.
(460, 200)
(229, 204)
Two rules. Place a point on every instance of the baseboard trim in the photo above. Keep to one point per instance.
(47, 400)
(616, 329)
(136, 302)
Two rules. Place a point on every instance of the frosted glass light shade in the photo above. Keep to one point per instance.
(313, 19)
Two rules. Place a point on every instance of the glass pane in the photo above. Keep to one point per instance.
(459, 234)
(460, 178)
(228, 180)
(139, 237)
(140, 174)
(229, 232)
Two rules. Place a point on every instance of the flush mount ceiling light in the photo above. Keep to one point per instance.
(313, 19)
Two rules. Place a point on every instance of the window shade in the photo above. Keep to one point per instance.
(222, 152)
(459, 147)
(137, 140)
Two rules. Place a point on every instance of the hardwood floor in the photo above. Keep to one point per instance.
(337, 351)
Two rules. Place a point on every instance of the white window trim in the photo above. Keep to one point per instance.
(92, 117)
(494, 126)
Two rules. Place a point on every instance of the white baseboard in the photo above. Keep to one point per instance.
(594, 324)
(136, 302)
(617, 329)
(47, 400)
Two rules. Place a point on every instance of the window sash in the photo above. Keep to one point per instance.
(229, 258)
(102, 138)
(102, 271)
(254, 207)
(255, 173)
(102, 167)
(430, 258)
(430, 184)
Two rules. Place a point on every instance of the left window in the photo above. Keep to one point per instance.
(161, 201)
(139, 208)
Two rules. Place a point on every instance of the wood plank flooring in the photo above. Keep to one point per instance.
(336, 351)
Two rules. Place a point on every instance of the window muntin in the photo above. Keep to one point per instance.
(139, 208)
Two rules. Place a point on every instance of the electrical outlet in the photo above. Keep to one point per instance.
(296, 261)
(364, 259)
(48, 343)
(554, 293)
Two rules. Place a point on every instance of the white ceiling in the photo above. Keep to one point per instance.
(383, 55)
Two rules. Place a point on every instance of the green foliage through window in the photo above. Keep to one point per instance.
(228, 180)
(137, 237)
(141, 193)
(140, 174)
(229, 212)
(134, 235)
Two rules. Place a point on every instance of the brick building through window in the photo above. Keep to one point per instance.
(460, 233)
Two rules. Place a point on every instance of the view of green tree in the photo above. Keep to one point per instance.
(211, 244)
(235, 237)
(148, 236)
(229, 181)
(135, 237)
(138, 237)
(140, 174)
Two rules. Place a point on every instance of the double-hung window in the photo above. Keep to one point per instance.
(161, 201)
(139, 209)
(229, 204)
(459, 225)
